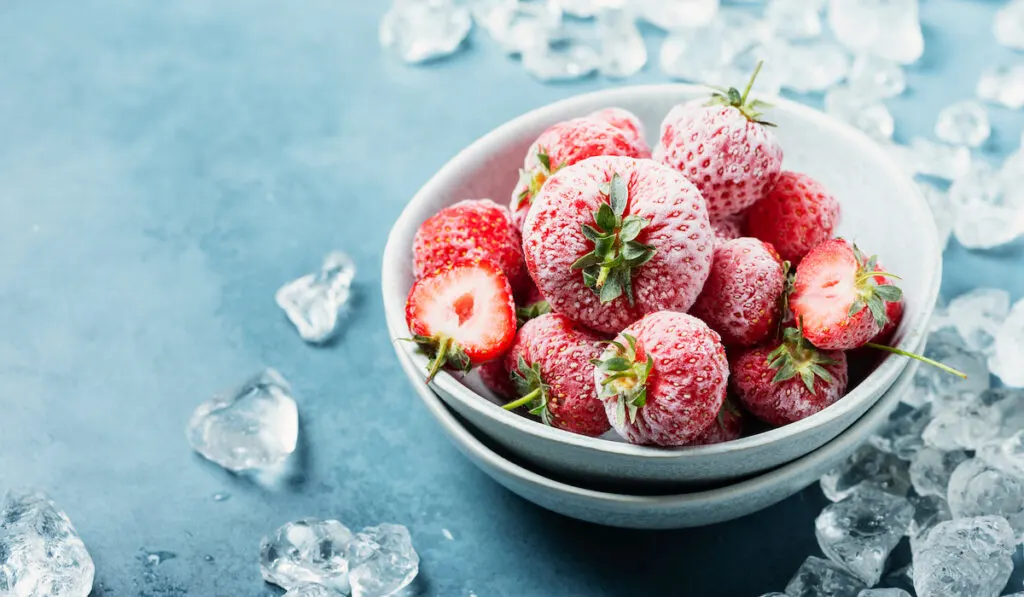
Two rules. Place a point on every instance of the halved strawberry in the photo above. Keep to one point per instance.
(462, 316)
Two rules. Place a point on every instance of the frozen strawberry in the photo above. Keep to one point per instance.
(467, 231)
(724, 147)
(663, 379)
(837, 296)
(495, 374)
(462, 315)
(893, 313)
(609, 132)
(789, 380)
(727, 426)
(613, 238)
(797, 215)
(553, 375)
(741, 298)
(727, 229)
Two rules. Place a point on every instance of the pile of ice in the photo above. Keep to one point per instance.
(947, 472)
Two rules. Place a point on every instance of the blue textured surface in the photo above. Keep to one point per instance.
(165, 166)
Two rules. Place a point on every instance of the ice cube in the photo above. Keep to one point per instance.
(41, 554)
(381, 560)
(314, 302)
(987, 215)
(963, 123)
(311, 590)
(794, 19)
(862, 111)
(700, 54)
(673, 15)
(304, 551)
(978, 315)
(946, 346)
(930, 470)
(564, 59)
(929, 511)
(942, 211)
(889, 29)
(253, 427)
(1008, 25)
(1005, 454)
(901, 435)
(821, 578)
(814, 65)
(872, 468)
(860, 531)
(966, 424)
(969, 556)
(518, 26)
(623, 51)
(977, 489)
(1009, 348)
(1002, 85)
(948, 162)
(423, 30)
(874, 77)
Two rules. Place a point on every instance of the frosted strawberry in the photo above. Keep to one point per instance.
(788, 380)
(727, 426)
(724, 147)
(797, 215)
(613, 238)
(727, 229)
(741, 298)
(495, 374)
(461, 316)
(663, 379)
(471, 230)
(553, 376)
(838, 297)
(613, 131)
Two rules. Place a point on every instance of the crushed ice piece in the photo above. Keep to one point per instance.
(889, 29)
(814, 65)
(969, 556)
(447, 534)
(673, 15)
(564, 59)
(861, 111)
(314, 302)
(978, 315)
(623, 51)
(987, 215)
(794, 19)
(868, 466)
(518, 26)
(701, 54)
(963, 123)
(874, 77)
(41, 554)
(821, 578)
(423, 30)
(860, 531)
(929, 511)
(1006, 454)
(942, 211)
(946, 346)
(311, 590)
(1008, 353)
(901, 435)
(943, 161)
(381, 560)
(306, 551)
(967, 424)
(221, 496)
(253, 427)
(930, 470)
(977, 489)
(1002, 85)
(1008, 26)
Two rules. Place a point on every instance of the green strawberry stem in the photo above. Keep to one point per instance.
(443, 351)
(602, 276)
(732, 97)
(440, 358)
(921, 358)
(524, 400)
(750, 83)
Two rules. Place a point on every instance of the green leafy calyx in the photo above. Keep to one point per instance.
(443, 352)
(795, 356)
(532, 311)
(870, 292)
(608, 268)
(752, 109)
(533, 392)
(534, 179)
(625, 378)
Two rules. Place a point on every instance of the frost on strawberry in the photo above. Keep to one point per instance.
(797, 215)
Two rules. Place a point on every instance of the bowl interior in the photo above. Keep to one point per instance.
(882, 211)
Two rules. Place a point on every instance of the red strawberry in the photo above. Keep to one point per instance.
(797, 215)
(471, 230)
(837, 298)
(609, 132)
(789, 380)
(740, 299)
(663, 379)
(462, 315)
(550, 365)
(494, 374)
(728, 425)
(724, 147)
(613, 238)
(727, 229)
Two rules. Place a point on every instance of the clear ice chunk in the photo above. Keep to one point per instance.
(1008, 353)
(942, 211)
(929, 511)
(518, 26)
(253, 427)
(701, 54)
(874, 77)
(673, 15)
(382, 560)
(814, 65)
(423, 30)
(623, 51)
(306, 551)
(821, 578)
(890, 29)
(859, 532)
(969, 556)
(860, 111)
(867, 467)
(315, 302)
(967, 425)
(963, 123)
(987, 216)
(977, 489)
(794, 19)
(978, 315)
(564, 59)
(1002, 85)
(946, 346)
(1008, 26)
(901, 435)
(930, 470)
(1005, 454)
(943, 161)
(311, 590)
(41, 554)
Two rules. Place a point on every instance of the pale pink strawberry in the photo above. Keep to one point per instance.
(612, 238)
(727, 426)
(625, 121)
(727, 229)
(797, 215)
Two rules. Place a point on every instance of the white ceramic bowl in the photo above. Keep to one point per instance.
(883, 212)
(667, 511)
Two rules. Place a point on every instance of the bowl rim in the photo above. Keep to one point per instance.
(870, 389)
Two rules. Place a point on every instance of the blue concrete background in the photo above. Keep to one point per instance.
(165, 166)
